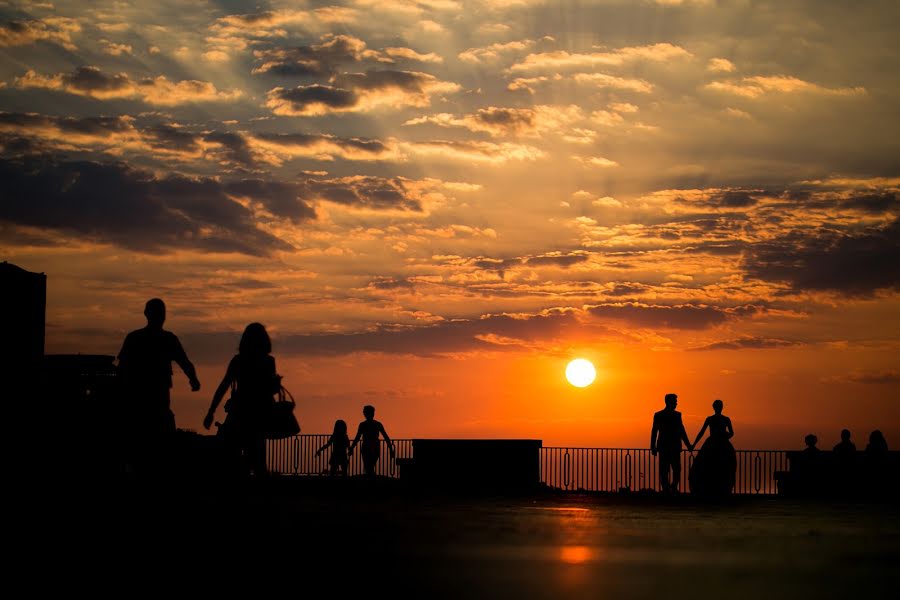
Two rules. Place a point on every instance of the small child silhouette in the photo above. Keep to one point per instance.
(339, 441)
(369, 431)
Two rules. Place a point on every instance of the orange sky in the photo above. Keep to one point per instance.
(434, 205)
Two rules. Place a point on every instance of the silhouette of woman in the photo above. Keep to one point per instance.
(251, 374)
(713, 471)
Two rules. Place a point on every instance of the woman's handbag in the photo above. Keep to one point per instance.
(281, 422)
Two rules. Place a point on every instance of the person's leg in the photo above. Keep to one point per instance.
(663, 472)
(257, 456)
(676, 470)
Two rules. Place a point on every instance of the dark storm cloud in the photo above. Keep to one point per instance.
(681, 316)
(853, 263)
(236, 149)
(745, 343)
(115, 203)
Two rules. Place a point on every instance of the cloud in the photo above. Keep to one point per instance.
(603, 80)
(410, 54)
(275, 148)
(314, 60)
(720, 65)
(445, 337)
(57, 30)
(159, 91)
(681, 316)
(749, 343)
(499, 121)
(117, 204)
(115, 49)
(359, 92)
(561, 59)
(493, 52)
(486, 152)
(271, 23)
(887, 376)
(848, 262)
(596, 161)
(378, 193)
(759, 86)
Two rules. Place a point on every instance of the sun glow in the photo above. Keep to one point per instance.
(581, 373)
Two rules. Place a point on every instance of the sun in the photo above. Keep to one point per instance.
(581, 373)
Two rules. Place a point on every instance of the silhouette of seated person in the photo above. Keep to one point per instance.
(713, 471)
(666, 438)
(845, 446)
(844, 464)
(368, 431)
(877, 446)
(809, 467)
(145, 369)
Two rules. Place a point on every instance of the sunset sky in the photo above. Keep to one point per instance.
(433, 206)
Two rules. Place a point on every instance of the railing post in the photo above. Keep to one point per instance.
(567, 468)
(628, 469)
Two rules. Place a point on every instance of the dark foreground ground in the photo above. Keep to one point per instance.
(332, 538)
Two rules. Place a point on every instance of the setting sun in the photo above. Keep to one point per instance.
(581, 372)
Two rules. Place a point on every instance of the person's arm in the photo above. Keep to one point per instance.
(699, 435)
(276, 378)
(180, 357)
(355, 440)
(218, 395)
(729, 428)
(653, 433)
(386, 438)
(328, 443)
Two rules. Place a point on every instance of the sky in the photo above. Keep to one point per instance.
(434, 205)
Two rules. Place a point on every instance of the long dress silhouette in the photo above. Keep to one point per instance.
(713, 471)
(252, 376)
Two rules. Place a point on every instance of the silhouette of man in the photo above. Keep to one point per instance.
(665, 439)
(845, 446)
(145, 366)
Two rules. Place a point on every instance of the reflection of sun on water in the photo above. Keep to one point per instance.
(575, 555)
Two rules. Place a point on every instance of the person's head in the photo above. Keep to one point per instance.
(876, 437)
(671, 400)
(340, 427)
(717, 406)
(255, 340)
(845, 435)
(811, 440)
(155, 311)
(369, 412)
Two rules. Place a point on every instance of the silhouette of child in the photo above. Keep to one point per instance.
(339, 441)
(369, 430)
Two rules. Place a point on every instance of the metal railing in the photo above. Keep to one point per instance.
(297, 456)
(574, 469)
(634, 469)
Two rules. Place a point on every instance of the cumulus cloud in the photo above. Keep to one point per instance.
(561, 59)
(720, 65)
(57, 30)
(158, 91)
(494, 52)
(359, 92)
